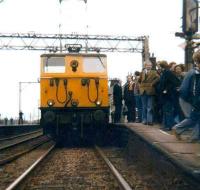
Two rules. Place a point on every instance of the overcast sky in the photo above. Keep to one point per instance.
(159, 19)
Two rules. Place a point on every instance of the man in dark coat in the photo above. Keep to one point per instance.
(168, 94)
(117, 100)
(129, 99)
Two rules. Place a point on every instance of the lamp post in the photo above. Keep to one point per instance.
(20, 121)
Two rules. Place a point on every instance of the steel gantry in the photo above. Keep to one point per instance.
(60, 42)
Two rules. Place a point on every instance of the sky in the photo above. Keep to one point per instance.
(158, 19)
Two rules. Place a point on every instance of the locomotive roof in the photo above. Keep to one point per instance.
(73, 54)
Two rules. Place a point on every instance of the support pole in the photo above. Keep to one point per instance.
(188, 54)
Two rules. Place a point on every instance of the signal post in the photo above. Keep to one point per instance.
(189, 28)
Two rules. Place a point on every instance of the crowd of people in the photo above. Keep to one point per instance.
(166, 94)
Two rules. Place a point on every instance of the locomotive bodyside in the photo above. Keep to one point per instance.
(74, 94)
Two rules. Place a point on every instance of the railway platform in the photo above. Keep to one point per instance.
(181, 153)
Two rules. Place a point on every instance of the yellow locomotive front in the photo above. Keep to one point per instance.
(74, 94)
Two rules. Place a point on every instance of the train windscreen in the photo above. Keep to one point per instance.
(54, 64)
(94, 64)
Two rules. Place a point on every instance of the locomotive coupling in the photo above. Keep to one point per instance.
(85, 81)
(96, 81)
(65, 82)
(51, 82)
(57, 82)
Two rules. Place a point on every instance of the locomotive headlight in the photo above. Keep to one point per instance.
(50, 102)
(74, 65)
(98, 103)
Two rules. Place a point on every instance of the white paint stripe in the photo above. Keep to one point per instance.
(164, 132)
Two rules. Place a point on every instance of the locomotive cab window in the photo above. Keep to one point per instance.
(54, 64)
(94, 64)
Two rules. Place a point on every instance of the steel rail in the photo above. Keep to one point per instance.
(18, 143)
(14, 157)
(21, 178)
(21, 135)
(122, 182)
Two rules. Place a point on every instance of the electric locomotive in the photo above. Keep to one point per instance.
(74, 94)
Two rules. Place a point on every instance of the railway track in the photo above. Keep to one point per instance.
(12, 169)
(127, 169)
(90, 168)
(121, 181)
(114, 167)
(6, 143)
(20, 135)
(72, 168)
(9, 154)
